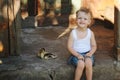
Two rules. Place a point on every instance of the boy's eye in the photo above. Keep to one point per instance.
(79, 18)
(82, 18)
(85, 18)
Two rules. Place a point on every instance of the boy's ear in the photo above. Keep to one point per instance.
(91, 22)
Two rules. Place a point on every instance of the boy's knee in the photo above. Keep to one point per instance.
(88, 65)
(81, 64)
(88, 61)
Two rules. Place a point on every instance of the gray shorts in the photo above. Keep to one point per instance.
(74, 60)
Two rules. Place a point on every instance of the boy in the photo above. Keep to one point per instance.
(82, 44)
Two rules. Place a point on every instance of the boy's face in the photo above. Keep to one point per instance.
(83, 19)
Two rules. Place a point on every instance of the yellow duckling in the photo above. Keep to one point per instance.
(45, 55)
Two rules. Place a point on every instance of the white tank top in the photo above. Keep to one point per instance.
(82, 45)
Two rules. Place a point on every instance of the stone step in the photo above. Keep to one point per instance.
(29, 67)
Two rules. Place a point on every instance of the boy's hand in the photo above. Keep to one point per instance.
(88, 55)
(80, 57)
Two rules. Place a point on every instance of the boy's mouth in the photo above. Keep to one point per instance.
(81, 23)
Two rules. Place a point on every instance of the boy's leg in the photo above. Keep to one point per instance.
(79, 69)
(88, 66)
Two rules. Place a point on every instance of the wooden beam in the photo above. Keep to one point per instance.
(117, 32)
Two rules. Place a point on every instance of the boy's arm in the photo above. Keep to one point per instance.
(93, 45)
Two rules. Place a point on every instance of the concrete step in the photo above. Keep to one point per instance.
(28, 66)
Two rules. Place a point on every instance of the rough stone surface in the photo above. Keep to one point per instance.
(29, 67)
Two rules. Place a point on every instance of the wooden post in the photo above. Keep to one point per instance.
(32, 7)
(10, 35)
(15, 35)
(117, 33)
(14, 30)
